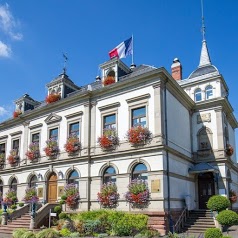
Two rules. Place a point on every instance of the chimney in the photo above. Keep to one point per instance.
(176, 68)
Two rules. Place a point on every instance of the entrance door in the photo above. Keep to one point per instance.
(206, 188)
(52, 188)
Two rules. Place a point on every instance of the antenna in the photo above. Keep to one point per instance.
(203, 22)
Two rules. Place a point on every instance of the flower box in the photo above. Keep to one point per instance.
(109, 140)
(138, 194)
(33, 153)
(54, 97)
(229, 150)
(16, 114)
(108, 196)
(72, 145)
(139, 135)
(51, 149)
(13, 157)
(109, 80)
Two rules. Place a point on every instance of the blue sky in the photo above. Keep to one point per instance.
(33, 35)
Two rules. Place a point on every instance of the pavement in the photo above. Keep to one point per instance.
(232, 231)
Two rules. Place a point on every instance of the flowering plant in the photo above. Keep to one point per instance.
(232, 196)
(72, 194)
(53, 97)
(138, 135)
(108, 139)
(51, 148)
(108, 196)
(13, 157)
(33, 152)
(138, 193)
(10, 197)
(229, 150)
(2, 158)
(72, 145)
(31, 195)
(108, 80)
(16, 113)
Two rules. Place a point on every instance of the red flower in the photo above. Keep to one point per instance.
(16, 114)
(108, 80)
(105, 142)
(52, 98)
(138, 134)
(229, 150)
(72, 145)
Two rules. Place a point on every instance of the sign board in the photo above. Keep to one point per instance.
(60, 191)
(40, 192)
(53, 214)
(155, 185)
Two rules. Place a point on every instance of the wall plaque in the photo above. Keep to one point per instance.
(40, 192)
(204, 118)
(155, 185)
(60, 191)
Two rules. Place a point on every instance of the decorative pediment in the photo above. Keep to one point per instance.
(52, 118)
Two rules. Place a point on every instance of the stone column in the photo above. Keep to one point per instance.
(220, 129)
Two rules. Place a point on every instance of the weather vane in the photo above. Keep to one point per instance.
(65, 62)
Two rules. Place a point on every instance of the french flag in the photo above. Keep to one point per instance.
(122, 50)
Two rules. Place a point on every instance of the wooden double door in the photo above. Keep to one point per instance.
(52, 188)
(206, 188)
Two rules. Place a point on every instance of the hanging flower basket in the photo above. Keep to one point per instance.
(109, 139)
(72, 145)
(108, 80)
(31, 195)
(108, 196)
(54, 97)
(232, 196)
(71, 195)
(10, 198)
(51, 149)
(229, 150)
(16, 113)
(139, 135)
(138, 194)
(13, 157)
(33, 153)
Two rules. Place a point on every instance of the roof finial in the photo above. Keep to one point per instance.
(203, 23)
(65, 61)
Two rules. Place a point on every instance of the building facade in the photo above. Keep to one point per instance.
(189, 155)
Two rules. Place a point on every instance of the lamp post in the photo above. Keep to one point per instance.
(4, 214)
(33, 214)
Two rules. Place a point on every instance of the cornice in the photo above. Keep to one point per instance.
(3, 137)
(16, 133)
(76, 114)
(138, 98)
(109, 106)
(35, 126)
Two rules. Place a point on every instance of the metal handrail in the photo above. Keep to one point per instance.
(181, 220)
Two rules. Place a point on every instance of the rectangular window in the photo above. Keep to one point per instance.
(53, 134)
(16, 144)
(138, 116)
(74, 129)
(109, 121)
(35, 137)
(3, 148)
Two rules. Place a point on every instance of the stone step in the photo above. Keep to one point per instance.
(199, 225)
(19, 223)
(156, 222)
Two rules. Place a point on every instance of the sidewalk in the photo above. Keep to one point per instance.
(232, 231)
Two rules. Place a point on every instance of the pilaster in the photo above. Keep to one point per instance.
(220, 133)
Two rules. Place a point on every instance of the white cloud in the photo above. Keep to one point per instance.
(3, 111)
(8, 24)
(5, 51)
(6, 112)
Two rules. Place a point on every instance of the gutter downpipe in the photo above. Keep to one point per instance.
(167, 158)
(89, 151)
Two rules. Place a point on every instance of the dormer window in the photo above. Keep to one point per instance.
(198, 95)
(111, 73)
(209, 92)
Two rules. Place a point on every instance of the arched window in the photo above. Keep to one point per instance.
(74, 178)
(33, 181)
(205, 139)
(13, 184)
(140, 172)
(109, 175)
(111, 73)
(209, 92)
(198, 95)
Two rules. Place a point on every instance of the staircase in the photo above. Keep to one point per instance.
(21, 222)
(157, 221)
(198, 221)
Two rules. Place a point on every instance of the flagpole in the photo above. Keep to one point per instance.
(132, 57)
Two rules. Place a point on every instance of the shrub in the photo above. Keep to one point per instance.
(61, 202)
(218, 203)
(213, 233)
(63, 197)
(18, 233)
(148, 233)
(91, 226)
(58, 209)
(74, 235)
(49, 233)
(62, 215)
(227, 218)
(65, 232)
(226, 237)
(29, 234)
(21, 204)
(14, 206)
